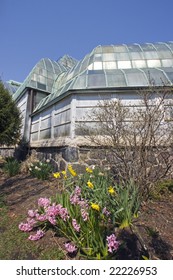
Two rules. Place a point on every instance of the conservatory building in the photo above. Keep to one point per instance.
(57, 96)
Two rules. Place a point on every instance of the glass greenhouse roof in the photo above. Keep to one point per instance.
(44, 73)
(117, 66)
(12, 86)
(113, 66)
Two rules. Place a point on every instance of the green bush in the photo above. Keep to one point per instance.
(11, 167)
(40, 170)
(10, 118)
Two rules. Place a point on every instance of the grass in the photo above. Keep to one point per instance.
(14, 244)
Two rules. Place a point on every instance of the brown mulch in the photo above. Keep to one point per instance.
(151, 235)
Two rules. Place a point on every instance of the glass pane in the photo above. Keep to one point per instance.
(161, 47)
(107, 49)
(169, 73)
(84, 63)
(66, 87)
(170, 44)
(98, 49)
(108, 57)
(97, 57)
(80, 82)
(91, 66)
(33, 83)
(109, 65)
(42, 80)
(134, 48)
(122, 56)
(136, 55)
(77, 68)
(153, 63)
(167, 62)
(151, 55)
(156, 76)
(48, 65)
(97, 65)
(116, 78)
(95, 80)
(91, 59)
(147, 47)
(135, 78)
(120, 49)
(139, 63)
(41, 86)
(45, 134)
(124, 64)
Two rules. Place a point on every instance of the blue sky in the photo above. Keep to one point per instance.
(34, 29)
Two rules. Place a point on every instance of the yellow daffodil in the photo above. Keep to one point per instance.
(90, 185)
(124, 224)
(71, 170)
(56, 175)
(95, 206)
(111, 190)
(135, 215)
(89, 170)
(63, 172)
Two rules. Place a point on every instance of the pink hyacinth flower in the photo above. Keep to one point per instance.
(113, 244)
(105, 212)
(39, 234)
(70, 247)
(74, 199)
(44, 202)
(77, 191)
(76, 226)
(32, 213)
(84, 214)
(27, 226)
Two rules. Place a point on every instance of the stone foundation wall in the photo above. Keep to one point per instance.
(79, 157)
(6, 152)
(83, 156)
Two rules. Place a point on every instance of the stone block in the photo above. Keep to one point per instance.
(71, 154)
(98, 154)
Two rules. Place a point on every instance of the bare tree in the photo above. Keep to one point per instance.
(137, 138)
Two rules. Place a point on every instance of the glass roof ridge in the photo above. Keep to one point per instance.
(39, 75)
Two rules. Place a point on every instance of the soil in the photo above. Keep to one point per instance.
(151, 234)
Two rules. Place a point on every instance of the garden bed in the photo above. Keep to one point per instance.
(153, 227)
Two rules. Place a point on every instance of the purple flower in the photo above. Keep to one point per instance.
(113, 244)
(83, 204)
(75, 225)
(52, 220)
(70, 247)
(64, 214)
(27, 226)
(84, 214)
(54, 210)
(32, 213)
(39, 234)
(41, 217)
(105, 212)
(44, 202)
(77, 191)
(74, 199)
